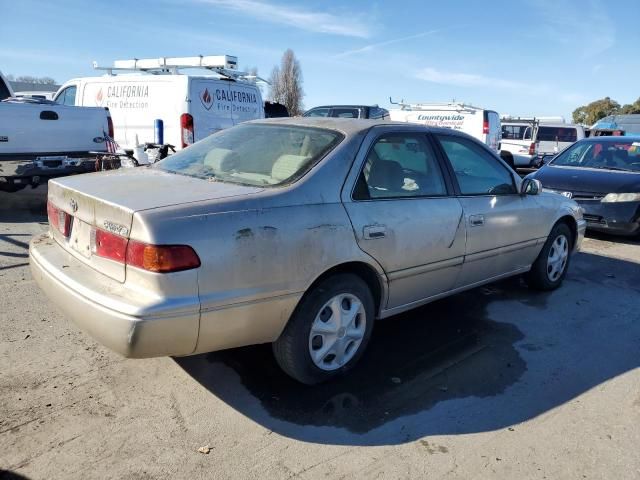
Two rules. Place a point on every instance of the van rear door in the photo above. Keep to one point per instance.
(553, 139)
(210, 106)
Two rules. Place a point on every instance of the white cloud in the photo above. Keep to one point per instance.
(584, 27)
(373, 46)
(313, 21)
(484, 82)
(467, 79)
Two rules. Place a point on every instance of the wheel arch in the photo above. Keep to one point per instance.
(571, 222)
(374, 279)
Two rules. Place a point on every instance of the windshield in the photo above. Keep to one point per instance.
(264, 155)
(618, 155)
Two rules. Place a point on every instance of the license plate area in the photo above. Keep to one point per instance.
(80, 238)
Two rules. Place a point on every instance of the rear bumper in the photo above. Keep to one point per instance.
(26, 168)
(98, 305)
(618, 218)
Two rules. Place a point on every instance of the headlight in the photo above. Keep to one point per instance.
(621, 197)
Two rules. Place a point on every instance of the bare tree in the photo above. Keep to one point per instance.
(30, 79)
(252, 73)
(286, 83)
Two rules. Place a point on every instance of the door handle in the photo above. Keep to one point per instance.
(476, 220)
(371, 232)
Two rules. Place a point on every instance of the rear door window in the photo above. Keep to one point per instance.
(67, 96)
(478, 172)
(317, 112)
(557, 134)
(400, 165)
(345, 113)
(516, 132)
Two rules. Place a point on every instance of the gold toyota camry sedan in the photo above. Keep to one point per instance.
(297, 232)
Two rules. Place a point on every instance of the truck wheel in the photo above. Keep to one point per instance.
(11, 187)
(329, 330)
(550, 268)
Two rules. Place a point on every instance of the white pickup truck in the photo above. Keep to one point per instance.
(40, 139)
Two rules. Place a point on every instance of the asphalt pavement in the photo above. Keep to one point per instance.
(498, 382)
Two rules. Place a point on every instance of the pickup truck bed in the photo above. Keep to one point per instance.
(41, 140)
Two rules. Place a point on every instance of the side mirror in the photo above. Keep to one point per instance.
(531, 186)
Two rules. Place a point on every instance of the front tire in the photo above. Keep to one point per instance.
(550, 268)
(329, 330)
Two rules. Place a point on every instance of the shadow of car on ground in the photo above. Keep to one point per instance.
(486, 359)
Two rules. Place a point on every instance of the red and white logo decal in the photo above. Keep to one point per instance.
(99, 97)
(206, 98)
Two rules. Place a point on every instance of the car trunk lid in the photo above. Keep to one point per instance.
(108, 201)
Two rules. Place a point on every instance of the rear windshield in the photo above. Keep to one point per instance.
(516, 132)
(557, 134)
(606, 155)
(262, 155)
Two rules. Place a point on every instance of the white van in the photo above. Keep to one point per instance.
(191, 107)
(528, 142)
(477, 122)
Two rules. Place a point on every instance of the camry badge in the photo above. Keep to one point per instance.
(74, 205)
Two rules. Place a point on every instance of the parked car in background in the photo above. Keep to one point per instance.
(625, 124)
(275, 110)
(348, 111)
(5, 88)
(297, 231)
(602, 174)
(191, 107)
(528, 142)
(35, 94)
(480, 123)
(40, 139)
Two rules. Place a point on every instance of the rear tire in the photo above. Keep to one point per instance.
(328, 331)
(550, 268)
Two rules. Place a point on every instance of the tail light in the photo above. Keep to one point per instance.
(532, 148)
(161, 258)
(153, 258)
(59, 219)
(110, 126)
(186, 126)
(485, 122)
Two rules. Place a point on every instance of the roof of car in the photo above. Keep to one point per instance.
(614, 138)
(344, 106)
(349, 126)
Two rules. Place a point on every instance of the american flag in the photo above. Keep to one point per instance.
(112, 145)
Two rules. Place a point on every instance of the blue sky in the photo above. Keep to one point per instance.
(524, 57)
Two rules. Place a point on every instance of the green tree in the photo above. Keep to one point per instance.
(631, 107)
(591, 113)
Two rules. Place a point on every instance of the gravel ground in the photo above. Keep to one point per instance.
(498, 382)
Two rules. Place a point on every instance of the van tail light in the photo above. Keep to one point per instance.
(153, 258)
(532, 148)
(186, 126)
(59, 219)
(110, 126)
(485, 122)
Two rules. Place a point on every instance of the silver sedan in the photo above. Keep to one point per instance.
(299, 232)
